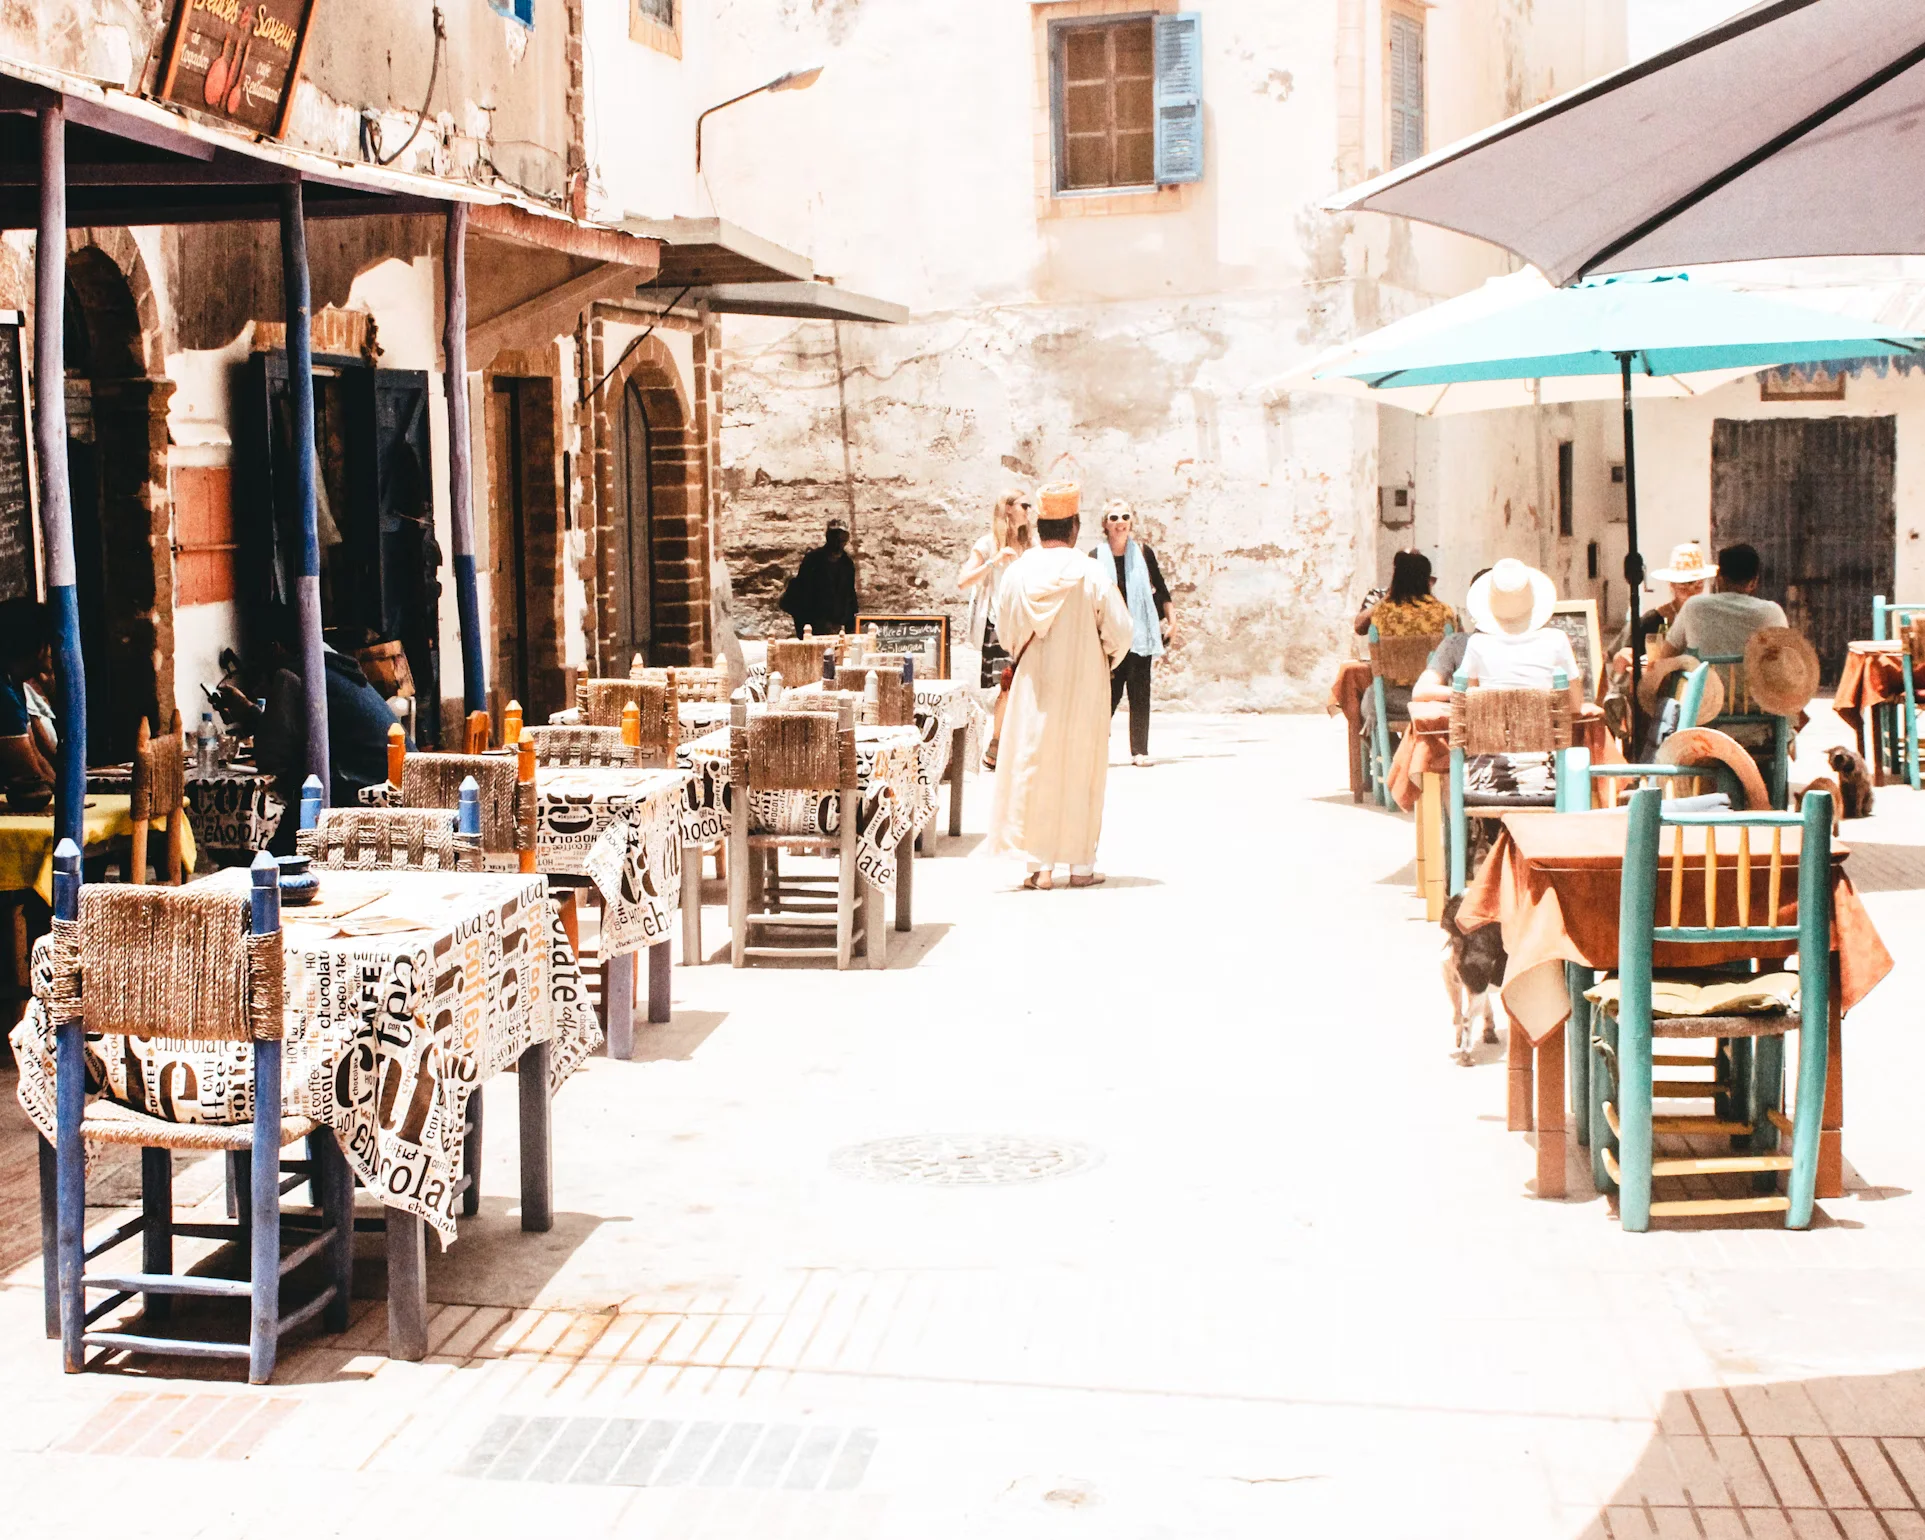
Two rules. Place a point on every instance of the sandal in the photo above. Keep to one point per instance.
(989, 754)
(1093, 880)
(1040, 882)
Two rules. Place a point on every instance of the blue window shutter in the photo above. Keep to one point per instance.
(1179, 98)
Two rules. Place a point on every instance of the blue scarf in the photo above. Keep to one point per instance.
(1146, 632)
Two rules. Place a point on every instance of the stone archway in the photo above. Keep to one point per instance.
(117, 454)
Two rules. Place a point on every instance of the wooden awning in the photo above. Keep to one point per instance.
(701, 252)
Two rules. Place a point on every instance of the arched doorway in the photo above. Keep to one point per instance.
(635, 532)
(110, 404)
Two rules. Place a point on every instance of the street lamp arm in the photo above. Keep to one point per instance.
(795, 80)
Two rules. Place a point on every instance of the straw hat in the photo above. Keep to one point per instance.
(1688, 565)
(1710, 705)
(1704, 746)
(1782, 670)
(1511, 599)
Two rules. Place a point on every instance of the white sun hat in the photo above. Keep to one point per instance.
(1511, 598)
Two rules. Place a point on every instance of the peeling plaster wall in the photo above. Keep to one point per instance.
(1144, 344)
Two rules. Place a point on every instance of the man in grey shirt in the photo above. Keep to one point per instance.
(1719, 625)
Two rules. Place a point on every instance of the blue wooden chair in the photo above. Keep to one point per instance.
(1396, 662)
(1725, 916)
(1892, 623)
(203, 964)
(1740, 713)
(1491, 720)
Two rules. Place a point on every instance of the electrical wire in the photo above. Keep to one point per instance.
(421, 117)
(592, 394)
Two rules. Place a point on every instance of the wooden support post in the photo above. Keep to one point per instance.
(958, 748)
(691, 906)
(511, 722)
(56, 507)
(1517, 1055)
(1550, 1115)
(461, 515)
(537, 1140)
(906, 882)
(70, 1106)
(658, 983)
(300, 392)
(407, 1286)
(264, 1211)
(618, 1005)
(397, 753)
(471, 1155)
(524, 742)
(137, 855)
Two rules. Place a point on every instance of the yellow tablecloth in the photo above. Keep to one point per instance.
(26, 842)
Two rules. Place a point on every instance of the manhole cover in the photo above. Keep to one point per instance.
(963, 1160)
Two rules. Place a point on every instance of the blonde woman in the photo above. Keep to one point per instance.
(981, 578)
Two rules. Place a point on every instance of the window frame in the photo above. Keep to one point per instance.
(1057, 34)
(1413, 14)
(651, 33)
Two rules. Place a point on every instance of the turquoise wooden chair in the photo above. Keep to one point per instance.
(1396, 662)
(1740, 712)
(1493, 720)
(1891, 623)
(1624, 1060)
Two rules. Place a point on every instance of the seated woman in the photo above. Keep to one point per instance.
(28, 743)
(1409, 609)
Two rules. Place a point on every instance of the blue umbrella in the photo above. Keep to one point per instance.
(1661, 325)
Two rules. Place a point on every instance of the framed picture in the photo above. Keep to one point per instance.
(1577, 619)
(925, 637)
(238, 62)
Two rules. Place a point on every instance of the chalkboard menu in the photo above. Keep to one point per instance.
(237, 59)
(1577, 619)
(924, 637)
(17, 579)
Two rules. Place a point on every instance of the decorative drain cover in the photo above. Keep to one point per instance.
(964, 1160)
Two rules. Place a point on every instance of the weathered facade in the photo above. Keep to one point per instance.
(1136, 331)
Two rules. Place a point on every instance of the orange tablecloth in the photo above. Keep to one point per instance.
(1347, 693)
(1873, 675)
(1426, 746)
(1552, 882)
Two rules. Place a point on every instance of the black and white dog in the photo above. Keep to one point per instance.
(1473, 967)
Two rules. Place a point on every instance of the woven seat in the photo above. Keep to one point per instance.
(389, 839)
(583, 746)
(108, 1122)
(158, 796)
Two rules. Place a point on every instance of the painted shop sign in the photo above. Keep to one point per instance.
(237, 59)
(18, 576)
(925, 637)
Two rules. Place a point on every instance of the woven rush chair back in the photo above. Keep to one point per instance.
(895, 696)
(1489, 719)
(689, 683)
(507, 804)
(590, 747)
(396, 839)
(601, 702)
(160, 772)
(1401, 660)
(798, 662)
(1914, 636)
(794, 751)
(168, 962)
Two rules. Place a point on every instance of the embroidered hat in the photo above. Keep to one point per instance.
(1688, 565)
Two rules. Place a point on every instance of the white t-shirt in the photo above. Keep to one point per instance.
(1720, 625)
(1527, 660)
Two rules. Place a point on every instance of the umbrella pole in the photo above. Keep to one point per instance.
(1633, 561)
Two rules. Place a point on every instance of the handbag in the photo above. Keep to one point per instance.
(995, 657)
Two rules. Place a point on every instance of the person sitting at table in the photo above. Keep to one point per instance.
(1445, 660)
(27, 746)
(1514, 646)
(1409, 609)
(1721, 624)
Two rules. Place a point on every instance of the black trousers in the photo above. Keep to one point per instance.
(1133, 675)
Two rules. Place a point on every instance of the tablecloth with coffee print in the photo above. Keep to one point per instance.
(623, 828)
(405, 991)
(234, 812)
(942, 706)
(887, 800)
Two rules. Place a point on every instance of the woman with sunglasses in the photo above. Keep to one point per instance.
(1131, 566)
(981, 578)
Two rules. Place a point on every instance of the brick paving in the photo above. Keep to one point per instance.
(1249, 1254)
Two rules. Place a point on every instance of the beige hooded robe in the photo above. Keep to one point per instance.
(1053, 762)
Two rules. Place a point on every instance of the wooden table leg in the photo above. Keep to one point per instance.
(1359, 781)
(1550, 1115)
(1517, 1055)
(1577, 1043)
(658, 1001)
(407, 1286)
(958, 748)
(875, 924)
(1831, 1138)
(618, 1004)
(1430, 826)
(50, 1238)
(691, 906)
(537, 1139)
(905, 882)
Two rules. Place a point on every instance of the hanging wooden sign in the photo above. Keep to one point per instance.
(237, 59)
(18, 572)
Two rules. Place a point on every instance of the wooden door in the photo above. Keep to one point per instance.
(635, 554)
(1814, 495)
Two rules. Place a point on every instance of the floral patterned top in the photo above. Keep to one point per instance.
(1412, 617)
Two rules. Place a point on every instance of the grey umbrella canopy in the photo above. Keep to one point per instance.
(1796, 129)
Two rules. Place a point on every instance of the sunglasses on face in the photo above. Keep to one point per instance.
(1116, 518)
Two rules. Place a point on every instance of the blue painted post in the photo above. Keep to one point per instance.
(1378, 759)
(461, 517)
(468, 817)
(70, 1107)
(1878, 617)
(1637, 914)
(56, 508)
(1911, 722)
(1574, 782)
(265, 1175)
(313, 799)
(1814, 1003)
(300, 391)
(1455, 811)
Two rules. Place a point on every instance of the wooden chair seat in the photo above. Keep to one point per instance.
(110, 1122)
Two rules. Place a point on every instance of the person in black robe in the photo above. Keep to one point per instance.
(821, 597)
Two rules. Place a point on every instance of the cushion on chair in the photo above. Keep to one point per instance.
(1689, 996)
(1498, 799)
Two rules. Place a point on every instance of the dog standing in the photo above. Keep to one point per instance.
(1473, 967)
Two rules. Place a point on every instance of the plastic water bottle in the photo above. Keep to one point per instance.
(208, 745)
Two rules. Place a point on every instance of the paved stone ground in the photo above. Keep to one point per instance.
(1214, 1240)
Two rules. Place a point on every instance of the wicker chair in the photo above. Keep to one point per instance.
(158, 797)
(389, 839)
(895, 695)
(601, 703)
(1490, 720)
(803, 751)
(507, 787)
(799, 661)
(1741, 717)
(689, 683)
(590, 747)
(1396, 663)
(201, 963)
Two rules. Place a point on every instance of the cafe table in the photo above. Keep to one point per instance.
(888, 803)
(1347, 692)
(27, 840)
(1870, 694)
(406, 992)
(234, 811)
(1552, 882)
(624, 830)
